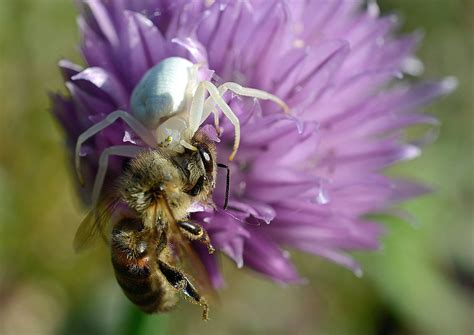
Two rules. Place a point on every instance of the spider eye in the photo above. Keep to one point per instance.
(206, 159)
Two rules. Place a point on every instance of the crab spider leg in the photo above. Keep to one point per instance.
(209, 107)
(196, 109)
(117, 150)
(216, 96)
(133, 123)
(243, 91)
(254, 93)
(195, 114)
(246, 92)
(188, 145)
(198, 106)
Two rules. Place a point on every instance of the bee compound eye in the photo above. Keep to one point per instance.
(206, 158)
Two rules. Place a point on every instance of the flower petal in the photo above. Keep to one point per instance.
(264, 256)
(102, 85)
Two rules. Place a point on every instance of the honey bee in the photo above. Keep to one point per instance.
(149, 240)
(148, 210)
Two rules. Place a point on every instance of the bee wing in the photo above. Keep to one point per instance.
(94, 225)
(187, 257)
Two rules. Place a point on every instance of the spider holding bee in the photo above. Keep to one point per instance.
(149, 207)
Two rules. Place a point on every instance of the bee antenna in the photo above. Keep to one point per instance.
(227, 184)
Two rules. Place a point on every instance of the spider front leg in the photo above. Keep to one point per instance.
(216, 97)
(254, 93)
(133, 123)
(197, 110)
(209, 105)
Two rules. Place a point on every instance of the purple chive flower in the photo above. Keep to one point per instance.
(304, 181)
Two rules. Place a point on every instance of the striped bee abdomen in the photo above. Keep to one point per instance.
(136, 270)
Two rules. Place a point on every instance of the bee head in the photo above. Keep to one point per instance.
(200, 167)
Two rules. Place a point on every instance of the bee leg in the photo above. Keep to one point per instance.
(179, 281)
(162, 242)
(195, 232)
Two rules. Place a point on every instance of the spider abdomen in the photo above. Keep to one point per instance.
(162, 92)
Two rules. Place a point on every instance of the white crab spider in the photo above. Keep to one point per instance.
(168, 105)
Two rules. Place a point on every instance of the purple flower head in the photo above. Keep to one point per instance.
(301, 181)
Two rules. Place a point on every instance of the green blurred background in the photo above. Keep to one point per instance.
(421, 282)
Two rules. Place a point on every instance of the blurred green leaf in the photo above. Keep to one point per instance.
(139, 323)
